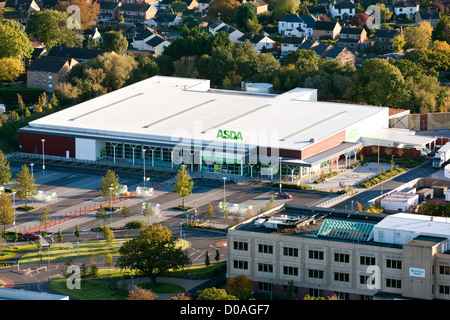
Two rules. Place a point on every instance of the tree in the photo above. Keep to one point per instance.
(114, 41)
(217, 256)
(101, 213)
(50, 27)
(183, 184)
(117, 68)
(60, 236)
(77, 231)
(442, 30)
(214, 294)
(10, 69)
(153, 252)
(45, 217)
(108, 259)
(385, 13)
(109, 235)
(285, 7)
(359, 19)
(225, 10)
(6, 211)
(93, 272)
(14, 40)
(210, 213)
(148, 211)
(207, 261)
(418, 37)
(5, 173)
(88, 10)
(24, 184)
(110, 180)
(240, 286)
(244, 14)
(125, 213)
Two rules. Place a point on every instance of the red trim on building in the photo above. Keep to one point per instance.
(323, 145)
(53, 145)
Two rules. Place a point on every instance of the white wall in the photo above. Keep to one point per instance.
(375, 122)
(85, 149)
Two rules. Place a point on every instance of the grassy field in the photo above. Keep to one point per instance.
(10, 251)
(87, 249)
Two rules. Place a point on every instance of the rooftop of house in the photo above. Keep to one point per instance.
(325, 25)
(292, 40)
(50, 64)
(352, 30)
(76, 53)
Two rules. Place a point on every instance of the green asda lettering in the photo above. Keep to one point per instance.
(227, 134)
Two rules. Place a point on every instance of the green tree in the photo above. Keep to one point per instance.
(45, 217)
(225, 10)
(109, 235)
(93, 272)
(114, 41)
(60, 235)
(380, 83)
(214, 294)
(14, 40)
(418, 37)
(210, 213)
(148, 211)
(109, 185)
(183, 184)
(50, 27)
(5, 172)
(442, 30)
(385, 13)
(101, 213)
(125, 213)
(77, 231)
(285, 7)
(245, 13)
(217, 256)
(108, 260)
(207, 261)
(24, 184)
(6, 211)
(155, 251)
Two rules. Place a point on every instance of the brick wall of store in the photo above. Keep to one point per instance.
(323, 145)
(53, 145)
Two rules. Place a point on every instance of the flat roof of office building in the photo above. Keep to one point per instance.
(172, 109)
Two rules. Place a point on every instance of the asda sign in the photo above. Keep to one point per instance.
(230, 135)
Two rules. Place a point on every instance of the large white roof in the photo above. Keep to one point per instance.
(176, 108)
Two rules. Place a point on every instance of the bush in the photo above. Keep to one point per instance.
(183, 208)
(29, 95)
(135, 224)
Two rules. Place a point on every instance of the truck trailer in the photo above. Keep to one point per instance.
(442, 156)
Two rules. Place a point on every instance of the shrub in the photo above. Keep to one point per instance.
(135, 224)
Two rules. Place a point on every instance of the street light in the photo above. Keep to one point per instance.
(43, 161)
(224, 179)
(31, 165)
(143, 155)
(14, 207)
(110, 203)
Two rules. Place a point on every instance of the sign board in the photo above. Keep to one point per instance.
(417, 272)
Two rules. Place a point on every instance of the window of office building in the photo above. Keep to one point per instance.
(237, 264)
(367, 261)
(444, 289)
(238, 245)
(341, 257)
(264, 248)
(291, 252)
(393, 264)
(315, 254)
(316, 293)
(366, 280)
(315, 274)
(291, 271)
(264, 267)
(444, 270)
(265, 286)
(342, 277)
(394, 283)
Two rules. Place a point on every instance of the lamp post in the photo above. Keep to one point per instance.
(224, 179)
(14, 208)
(31, 165)
(110, 203)
(280, 174)
(143, 155)
(43, 160)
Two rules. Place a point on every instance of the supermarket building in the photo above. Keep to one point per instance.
(170, 121)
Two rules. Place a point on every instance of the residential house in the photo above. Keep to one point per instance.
(216, 25)
(164, 20)
(342, 54)
(259, 6)
(296, 25)
(385, 39)
(344, 10)
(156, 44)
(326, 30)
(136, 12)
(317, 10)
(192, 5)
(259, 42)
(202, 6)
(431, 16)
(48, 72)
(82, 55)
(21, 10)
(107, 10)
(352, 37)
(233, 33)
(406, 8)
(141, 35)
(290, 43)
(91, 35)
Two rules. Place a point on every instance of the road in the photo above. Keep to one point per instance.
(422, 171)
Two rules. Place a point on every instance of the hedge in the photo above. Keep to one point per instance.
(29, 95)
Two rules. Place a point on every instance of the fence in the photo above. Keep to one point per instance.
(333, 201)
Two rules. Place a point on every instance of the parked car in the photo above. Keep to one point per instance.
(284, 195)
(31, 236)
